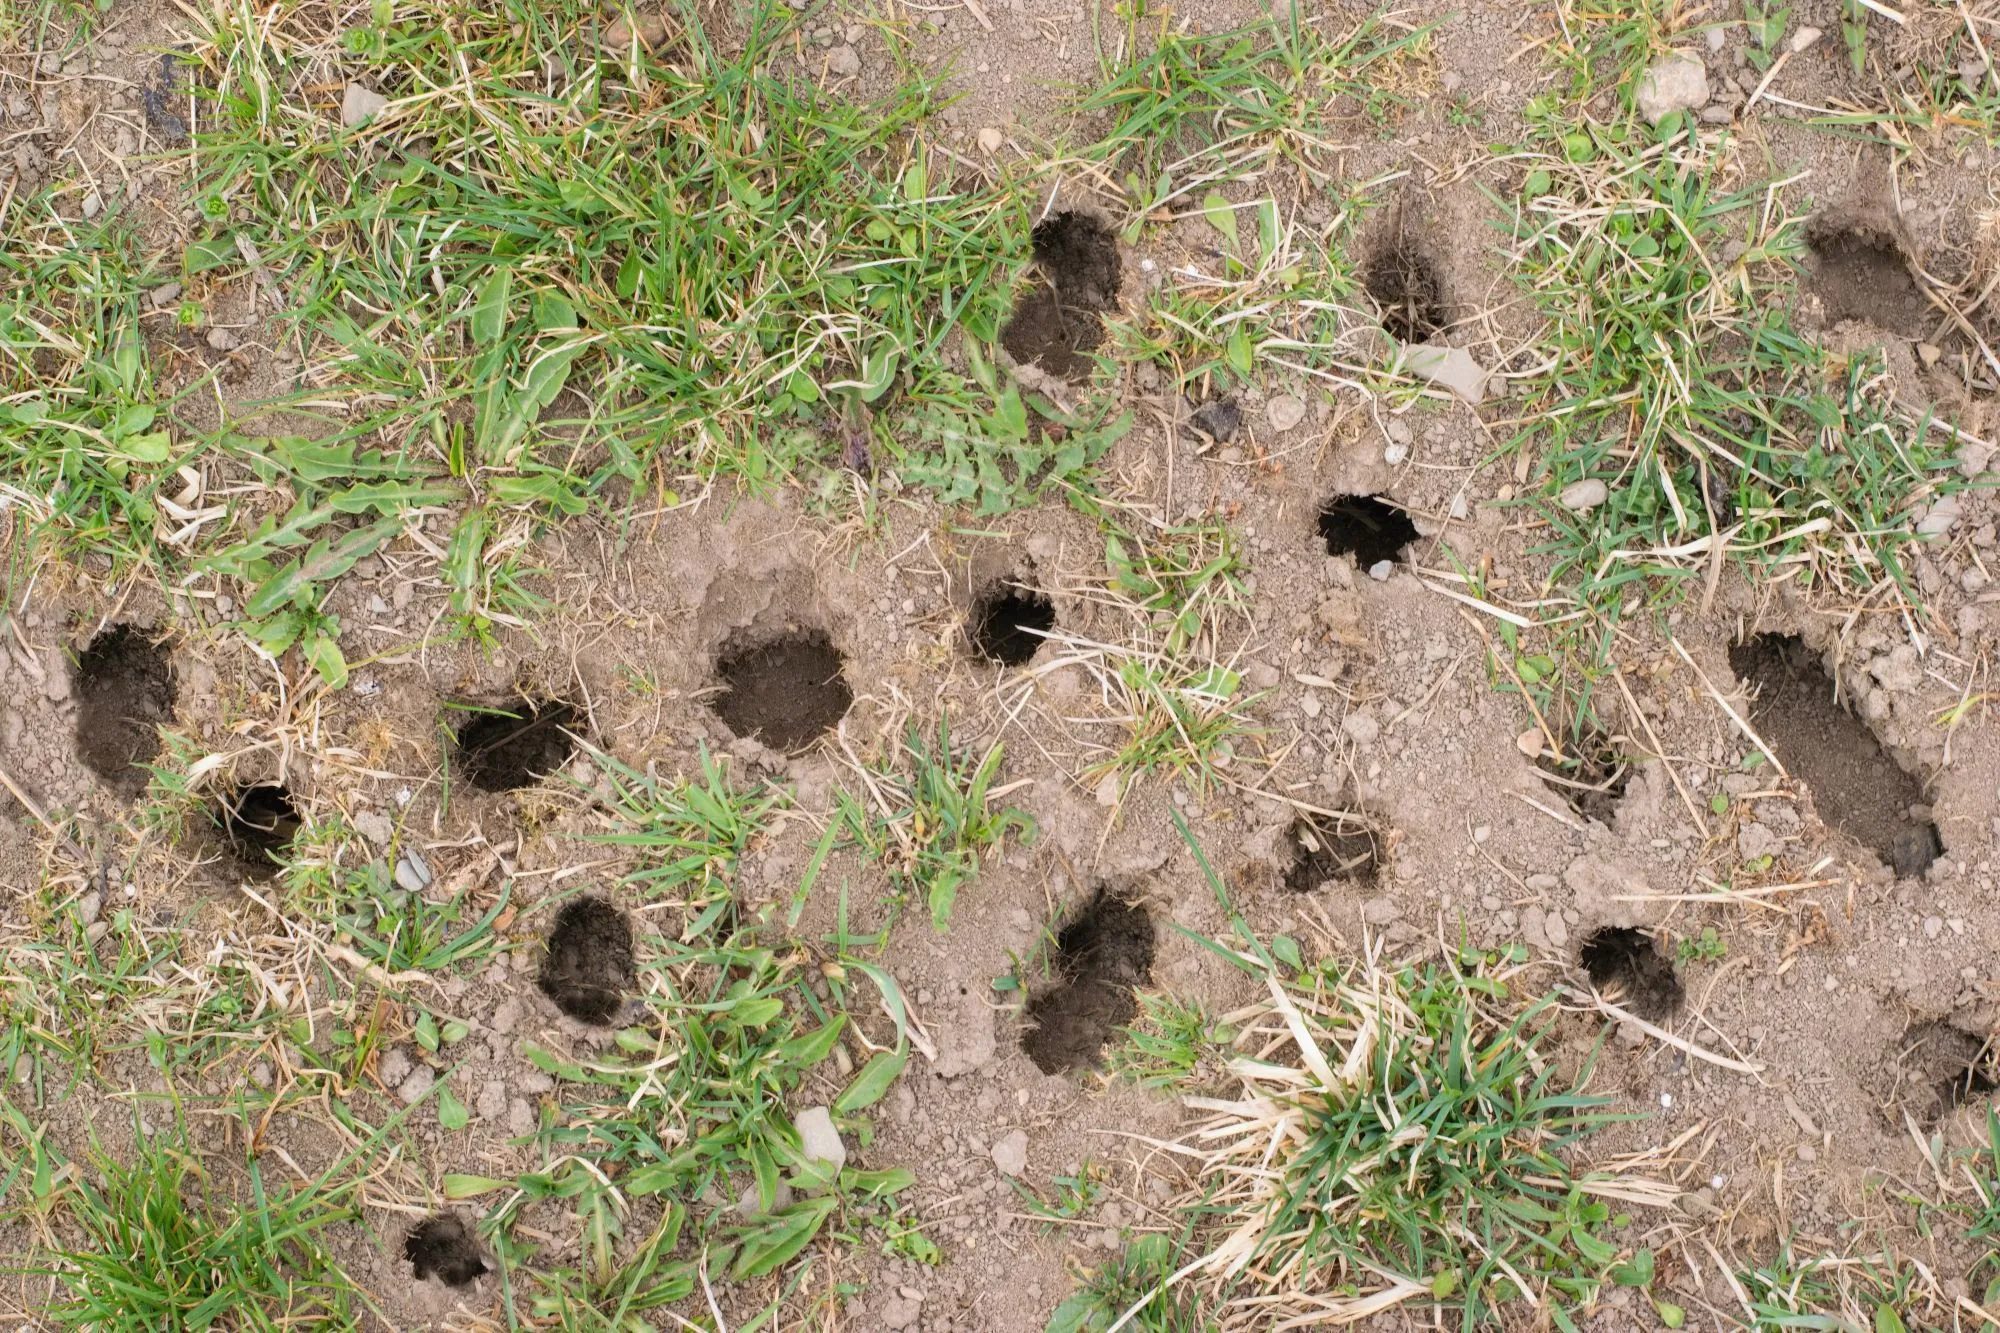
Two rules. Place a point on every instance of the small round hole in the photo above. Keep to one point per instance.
(1008, 624)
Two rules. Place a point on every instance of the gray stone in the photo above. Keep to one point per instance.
(1678, 81)
(1284, 412)
(1556, 929)
(360, 105)
(818, 1137)
(1362, 727)
(506, 1016)
(1010, 1153)
(375, 826)
(843, 61)
(1754, 840)
(412, 874)
(492, 1103)
(164, 295)
(1584, 495)
(395, 1067)
(1450, 368)
(1380, 911)
(520, 1117)
(416, 1085)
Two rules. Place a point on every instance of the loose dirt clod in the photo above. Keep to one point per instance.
(1940, 1068)
(785, 691)
(1366, 527)
(1856, 787)
(259, 821)
(1059, 322)
(1100, 957)
(1860, 273)
(124, 686)
(1324, 849)
(1008, 623)
(1627, 965)
(1405, 285)
(505, 749)
(1592, 777)
(443, 1246)
(588, 968)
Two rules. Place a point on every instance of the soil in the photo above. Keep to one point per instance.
(1405, 285)
(1855, 786)
(1008, 624)
(1592, 778)
(1627, 965)
(125, 686)
(1860, 272)
(588, 969)
(515, 746)
(443, 1247)
(786, 691)
(1059, 322)
(1325, 849)
(1100, 958)
(258, 822)
(1367, 527)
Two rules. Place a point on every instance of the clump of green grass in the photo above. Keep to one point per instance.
(1132, 1280)
(1175, 1044)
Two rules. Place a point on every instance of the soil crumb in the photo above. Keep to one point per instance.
(443, 1247)
(786, 691)
(1323, 849)
(1100, 957)
(1059, 322)
(505, 749)
(1860, 274)
(1627, 965)
(1592, 777)
(1366, 527)
(1856, 787)
(1008, 623)
(588, 968)
(124, 687)
(1405, 285)
(259, 821)
(1941, 1068)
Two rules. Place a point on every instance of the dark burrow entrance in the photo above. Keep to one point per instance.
(1941, 1068)
(258, 822)
(1856, 786)
(1101, 956)
(1008, 622)
(1324, 848)
(1059, 322)
(588, 968)
(1859, 272)
(124, 687)
(1626, 964)
(1405, 285)
(505, 749)
(786, 691)
(1592, 776)
(443, 1247)
(1367, 527)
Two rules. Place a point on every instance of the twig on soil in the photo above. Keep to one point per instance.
(1560, 819)
(1741, 725)
(1660, 752)
(28, 803)
(1610, 1010)
(1507, 660)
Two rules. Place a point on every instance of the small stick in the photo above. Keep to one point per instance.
(1506, 660)
(1610, 1010)
(1660, 751)
(28, 804)
(1741, 725)
(1560, 819)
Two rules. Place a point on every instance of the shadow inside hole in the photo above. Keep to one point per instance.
(442, 1246)
(588, 968)
(1856, 786)
(1626, 964)
(125, 692)
(1059, 321)
(1367, 527)
(505, 749)
(1592, 777)
(786, 691)
(1405, 285)
(1100, 958)
(1944, 1068)
(1323, 850)
(1008, 623)
(1859, 272)
(259, 821)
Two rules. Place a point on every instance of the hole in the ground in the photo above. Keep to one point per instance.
(1856, 786)
(588, 968)
(1008, 623)
(1592, 777)
(1943, 1068)
(1101, 957)
(1627, 965)
(1859, 273)
(259, 821)
(504, 749)
(124, 687)
(785, 691)
(443, 1246)
(1366, 527)
(1405, 285)
(1338, 848)
(1059, 322)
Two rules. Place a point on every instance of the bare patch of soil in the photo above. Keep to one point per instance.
(1008, 623)
(124, 685)
(786, 691)
(1343, 849)
(443, 1247)
(1861, 273)
(1856, 786)
(505, 749)
(1060, 321)
(1367, 527)
(1627, 965)
(588, 968)
(1101, 956)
